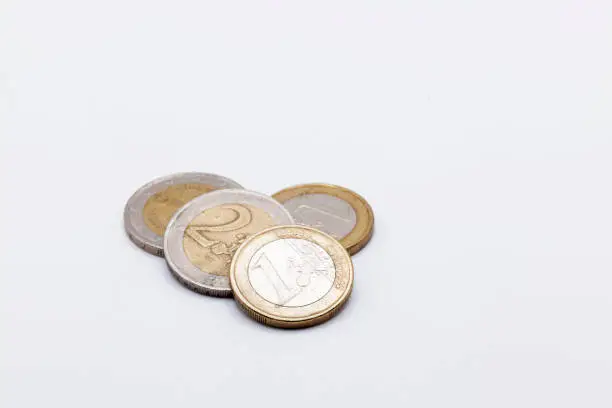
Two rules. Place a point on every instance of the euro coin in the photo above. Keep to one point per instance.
(291, 276)
(335, 210)
(149, 210)
(203, 236)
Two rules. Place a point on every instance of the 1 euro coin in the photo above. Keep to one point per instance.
(291, 276)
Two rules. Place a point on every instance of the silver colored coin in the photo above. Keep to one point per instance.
(140, 230)
(328, 213)
(203, 236)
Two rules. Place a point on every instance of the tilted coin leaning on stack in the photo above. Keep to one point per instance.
(284, 258)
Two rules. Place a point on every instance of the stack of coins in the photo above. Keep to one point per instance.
(285, 259)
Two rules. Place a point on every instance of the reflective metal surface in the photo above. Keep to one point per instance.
(203, 236)
(291, 276)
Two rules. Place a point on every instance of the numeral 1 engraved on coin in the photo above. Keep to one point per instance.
(291, 276)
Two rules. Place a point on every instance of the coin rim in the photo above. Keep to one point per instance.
(133, 213)
(177, 260)
(274, 320)
(361, 234)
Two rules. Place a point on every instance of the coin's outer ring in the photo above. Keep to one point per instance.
(181, 267)
(364, 228)
(271, 314)
(133, 216)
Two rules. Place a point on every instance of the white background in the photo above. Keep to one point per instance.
(480, 131)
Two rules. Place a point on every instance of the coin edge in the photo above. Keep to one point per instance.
(355, 240)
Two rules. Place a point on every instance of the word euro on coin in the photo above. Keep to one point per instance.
(203, 236)
(335, 210)
(291, 276)
(149, 210)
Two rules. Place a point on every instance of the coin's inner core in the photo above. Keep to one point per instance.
(213, 237)
(159, 209)
(291, 272)
(323, 211)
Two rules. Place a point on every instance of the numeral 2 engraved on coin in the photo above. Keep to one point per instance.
(242, 218)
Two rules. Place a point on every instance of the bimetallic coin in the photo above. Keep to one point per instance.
(291, 276)
(335, 210)
(203, 236)
(149, 210)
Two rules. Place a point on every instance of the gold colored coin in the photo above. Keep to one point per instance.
(291, 276)
(335, 210)
(213, 237)
(150, 209)
(159, 209)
